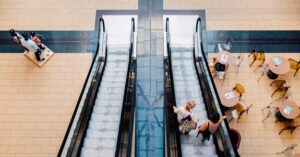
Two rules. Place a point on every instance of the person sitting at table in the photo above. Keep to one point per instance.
(220, 70)
(186, 119)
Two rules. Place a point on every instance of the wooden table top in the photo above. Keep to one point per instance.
(224, 57)
(289, 109)
(228, 98)
(282, 66)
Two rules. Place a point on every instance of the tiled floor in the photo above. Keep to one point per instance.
(244, 14)
(36, 103)
(28, 94)
(56, 14)
(261, 138)
(80, 14)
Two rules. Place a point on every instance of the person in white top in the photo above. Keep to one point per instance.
(17, 37)
(31, 46)
(186, 119)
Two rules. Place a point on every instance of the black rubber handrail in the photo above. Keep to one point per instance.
(101, 21)
(170, 100)
(208, 96)
(123, 147)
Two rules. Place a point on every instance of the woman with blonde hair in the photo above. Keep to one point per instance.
(186, 119)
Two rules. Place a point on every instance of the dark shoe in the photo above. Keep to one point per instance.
(41, 59)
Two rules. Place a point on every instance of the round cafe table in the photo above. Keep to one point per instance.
(224, 57)
(228, 98)
(279, 65)
(289, 109)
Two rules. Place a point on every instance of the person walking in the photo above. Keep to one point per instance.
(211, 126)
(17, 38)
(31, 46)
(186, 119)
(37, 39)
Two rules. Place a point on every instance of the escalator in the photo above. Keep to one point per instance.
(186, 77)
(103, 125)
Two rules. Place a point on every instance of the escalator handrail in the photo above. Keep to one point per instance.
(128, 153)
(172, 88)
(101, 21)
(199, 34)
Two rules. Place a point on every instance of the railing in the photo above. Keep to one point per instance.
(127, 117)
(211, 97)
(172, 139)
(76, 129)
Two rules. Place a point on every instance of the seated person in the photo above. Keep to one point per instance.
(220, 70)
(220, 67)
(186, 119)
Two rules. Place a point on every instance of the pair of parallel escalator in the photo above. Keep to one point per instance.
(102, 123)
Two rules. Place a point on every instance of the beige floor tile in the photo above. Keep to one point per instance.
(37, 103)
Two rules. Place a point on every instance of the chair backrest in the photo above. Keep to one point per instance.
(240, 107)
(252, 53)
(261, 56)
(267, 111)
(278, 84)
(239, 88)
(294, 64)
(214, 60)
(235, 138)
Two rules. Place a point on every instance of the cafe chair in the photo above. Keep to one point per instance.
(279, 86)
(237, 62)
(239, 89)
(235, 138)
(263, 70)
(260, 56)
(252, 52)
(219, 71)
(268, 111)
(239, 110)
(295, 65)
(212, 65)
(290, 151)
(257, 56)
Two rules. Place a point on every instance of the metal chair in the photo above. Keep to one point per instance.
(279, 86)
(290, 150)
(239, 110)
(263, 70)
(257, 56)
(294, 65)
(237, 61)
(239, 88)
